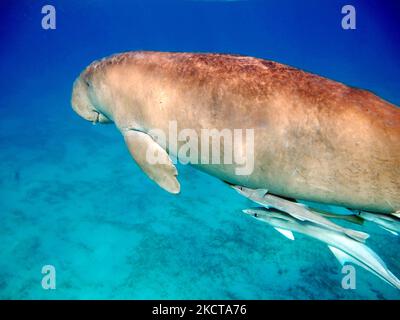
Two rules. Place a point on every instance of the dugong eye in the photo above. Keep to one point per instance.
(87, 83)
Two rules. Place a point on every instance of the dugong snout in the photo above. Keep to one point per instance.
(82, 105)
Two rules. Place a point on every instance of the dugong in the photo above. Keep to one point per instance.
(314, 139)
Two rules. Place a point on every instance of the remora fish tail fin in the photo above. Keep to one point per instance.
(342, 256)
(288, 234)
(386, 276)
(396, 214)
(391, 231)
(163, 172)
(357, 235)
(394, 281)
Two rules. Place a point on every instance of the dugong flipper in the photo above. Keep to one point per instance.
(141, 146)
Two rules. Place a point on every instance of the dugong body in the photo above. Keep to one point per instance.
(314, 139)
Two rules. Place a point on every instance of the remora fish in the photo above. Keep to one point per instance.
(389, 223)
(297, 210)
(344, 248)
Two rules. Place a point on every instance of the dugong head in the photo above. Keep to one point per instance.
(85, 100)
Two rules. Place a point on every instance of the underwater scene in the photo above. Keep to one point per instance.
(79, 219)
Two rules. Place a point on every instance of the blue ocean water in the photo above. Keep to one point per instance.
(71, 197)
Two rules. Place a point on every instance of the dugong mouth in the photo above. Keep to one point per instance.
(100, 118)
(92, 115)
(82, 105)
